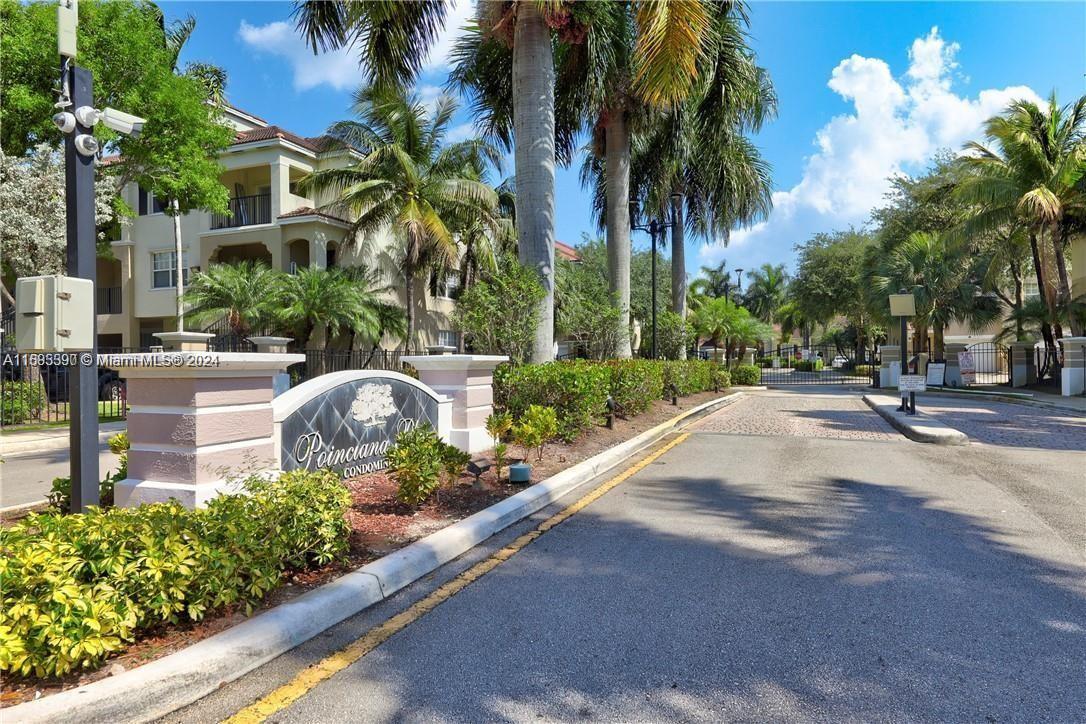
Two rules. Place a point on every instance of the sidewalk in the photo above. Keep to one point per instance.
(1021, 395)
(55, 438)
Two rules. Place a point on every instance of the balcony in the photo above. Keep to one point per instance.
(244, 211)
(109, 300)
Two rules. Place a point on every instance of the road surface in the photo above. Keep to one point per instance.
(793, 559)
(27, 478)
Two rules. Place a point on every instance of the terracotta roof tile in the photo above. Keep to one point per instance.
(310, 211)
(566, 251)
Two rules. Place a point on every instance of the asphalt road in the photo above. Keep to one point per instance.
(804, 575)
(27, 478)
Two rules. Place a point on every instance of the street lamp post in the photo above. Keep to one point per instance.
(656, 229)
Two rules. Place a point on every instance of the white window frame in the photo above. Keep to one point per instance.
(445, 290)
(443, 338)
(150, 203)
(172, 269)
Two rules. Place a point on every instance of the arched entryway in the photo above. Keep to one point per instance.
(241, 252)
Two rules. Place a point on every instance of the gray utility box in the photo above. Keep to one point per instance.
(54, 314)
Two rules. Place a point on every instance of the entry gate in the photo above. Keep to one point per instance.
(818, 365)
(992, 362)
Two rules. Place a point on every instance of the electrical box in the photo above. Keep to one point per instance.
(67, 21)
(54, 314)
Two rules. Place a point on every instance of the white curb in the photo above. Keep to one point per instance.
(167, 684)
(918, 427)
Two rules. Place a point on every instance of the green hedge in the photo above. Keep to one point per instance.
(746, 375)
(77, 588)
(19, 401)
(635, 384)
(576, 390)
(807, 365)
(688, 377)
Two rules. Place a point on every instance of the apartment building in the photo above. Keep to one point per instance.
(269, 221)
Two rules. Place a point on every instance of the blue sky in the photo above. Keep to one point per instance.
(866, 89)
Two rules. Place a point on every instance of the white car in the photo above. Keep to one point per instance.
(839, 361)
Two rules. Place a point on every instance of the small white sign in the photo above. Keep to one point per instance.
(912, 383)
(936, 373)
(967, 367)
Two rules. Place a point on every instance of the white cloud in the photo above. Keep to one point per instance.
(338, 69)
(462, 132)
(458, 14)
(895, 126)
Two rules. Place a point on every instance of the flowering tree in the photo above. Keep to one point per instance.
(33, 237)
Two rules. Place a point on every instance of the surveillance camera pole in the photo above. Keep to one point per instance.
(82, 257)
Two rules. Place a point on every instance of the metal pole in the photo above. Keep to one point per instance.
(82, 257)
(652, 232)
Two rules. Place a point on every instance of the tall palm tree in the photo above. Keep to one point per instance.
(713, 283)
(409, 181)
(1033, 171)
(246, 294)
(766, 291)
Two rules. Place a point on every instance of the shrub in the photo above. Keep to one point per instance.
(635, 384)
(498, 424)
(538, 425)
(500, 311)
(77, 588)
(19, 402)
(453, 461)
(416, 462)
(688, 377)
(576, 390)
(864, 370)
(60, 495)
(807, 365)
(673, 335)
(722, 379)
(746, 375)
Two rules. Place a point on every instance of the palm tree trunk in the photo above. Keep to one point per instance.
(617, 169)
(1062, 278)
(533, 128)
(409, 284)
(678, 263)
(1016, 274)
(937, 343)
(1038, 268)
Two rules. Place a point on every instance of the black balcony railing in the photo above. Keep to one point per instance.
(244, 211)
(109, 300)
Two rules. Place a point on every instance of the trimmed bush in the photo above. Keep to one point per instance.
(864, 370)
(416, 462)
(746, 375)
(722, 379)
(635, 384)
(19, 402)
(807, 365)
(688, 377)
(576, 390)
(77, 588)
(538, 425)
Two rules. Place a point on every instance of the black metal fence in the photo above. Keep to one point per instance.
(992, 362)
(244, 210)
(319, 362)
(817, 365)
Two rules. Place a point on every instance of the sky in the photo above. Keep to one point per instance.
(866, 90)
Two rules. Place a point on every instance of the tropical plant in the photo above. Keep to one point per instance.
(246, 294)
(498, 425)
(766, 291)
(1032, 171)
(328, 300)
(498, 313)
(416, 461)
(407, 179)
(536, 426)
(714, 282)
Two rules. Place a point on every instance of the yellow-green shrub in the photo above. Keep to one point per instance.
(635, 384)
(77, 588)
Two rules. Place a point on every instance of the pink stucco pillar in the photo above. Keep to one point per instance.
(469, 380)
(197, 423)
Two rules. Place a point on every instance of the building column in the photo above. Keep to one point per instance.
(953, 376)
(1073, 374)
(1023, 363)
(280, 188)
(124, 251)
(318, 250)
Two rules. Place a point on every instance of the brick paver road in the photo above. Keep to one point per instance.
(839, 416)
(1009, 425)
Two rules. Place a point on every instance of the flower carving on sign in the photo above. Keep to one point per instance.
(372, 404)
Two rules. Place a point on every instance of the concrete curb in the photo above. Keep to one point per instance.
(918, 427)
(13, 444)
(163, 686)
(1013, 399)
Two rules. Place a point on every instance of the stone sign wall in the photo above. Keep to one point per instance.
(346, 421)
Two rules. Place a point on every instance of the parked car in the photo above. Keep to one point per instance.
(839, 361)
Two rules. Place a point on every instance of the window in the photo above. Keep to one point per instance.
(448, 338)
(164, 270)
(450, 288)
(1030, 288)
(148, 204)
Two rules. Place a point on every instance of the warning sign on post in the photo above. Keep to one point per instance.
(967, 367)
(912, 383)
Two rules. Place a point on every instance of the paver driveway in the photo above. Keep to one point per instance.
(775, 577)
(1000, 423)
(800, 414)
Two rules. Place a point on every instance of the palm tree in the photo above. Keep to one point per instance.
(713, 283)
(211, 77)
(766, 291)
(328, 300)
(791, 316)
(408, 181)
(245, 294)
(1032, 172)
(940, 276)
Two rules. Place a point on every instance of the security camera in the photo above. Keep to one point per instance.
(86, 144)
(87, 116)
(122, 122)
(64, 121)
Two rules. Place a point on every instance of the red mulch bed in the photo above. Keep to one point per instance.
(380, 524)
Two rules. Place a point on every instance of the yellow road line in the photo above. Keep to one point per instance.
(297, 687)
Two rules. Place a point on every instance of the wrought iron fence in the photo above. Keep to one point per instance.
(992, 362)
(109, 300)
(319, 362)
(244, 210)
(817, 365)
